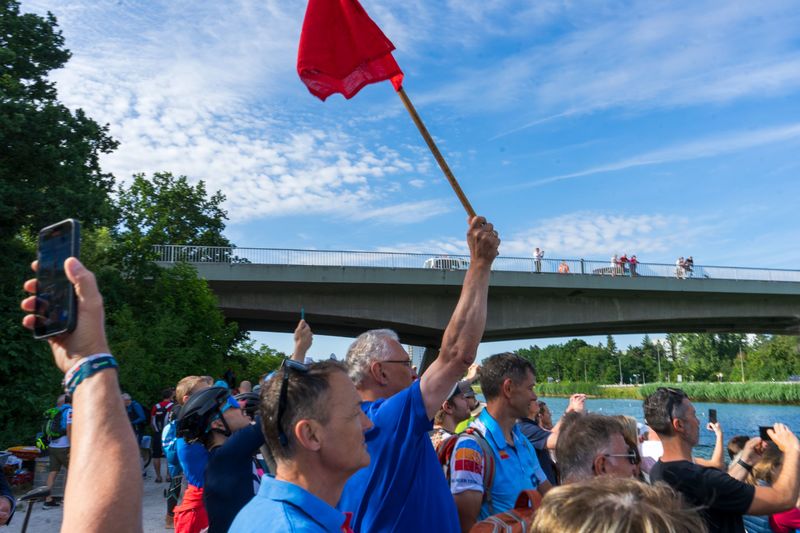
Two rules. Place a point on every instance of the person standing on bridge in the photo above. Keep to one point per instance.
(403, 488)
(633, 263)
(538, 255)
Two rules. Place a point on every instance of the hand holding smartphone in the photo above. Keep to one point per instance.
(56, 304)
(712, 416)
(762, 432)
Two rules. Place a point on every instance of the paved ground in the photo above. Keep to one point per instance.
(49, 520)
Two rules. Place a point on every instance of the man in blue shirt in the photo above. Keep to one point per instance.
(507, 382)
(314, 426)
(403, 489)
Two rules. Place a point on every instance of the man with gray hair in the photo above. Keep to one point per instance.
(403, 488)
(594, 445)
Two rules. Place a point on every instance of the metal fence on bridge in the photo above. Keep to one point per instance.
(341, 258)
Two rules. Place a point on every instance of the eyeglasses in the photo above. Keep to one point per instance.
(632, 455)
(404, 362)
(287, 365)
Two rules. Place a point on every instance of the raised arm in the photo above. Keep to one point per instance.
(302, 341)
(577, 403)
(782, 495)
(466, 326)
(99, 422)
(717, 460)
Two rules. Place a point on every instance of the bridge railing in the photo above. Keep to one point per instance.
(341, 258)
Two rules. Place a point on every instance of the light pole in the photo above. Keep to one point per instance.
(619, 360)
(585, 376)
(658, 356)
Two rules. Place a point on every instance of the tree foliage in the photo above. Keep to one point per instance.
(162, 324)
(692, 356)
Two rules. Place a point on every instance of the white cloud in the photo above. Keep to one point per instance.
(589, 235)
(708, 147)
(201, 95)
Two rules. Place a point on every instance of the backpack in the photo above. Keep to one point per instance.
(516, 520)
(54, 426)
(445, 453)
(160, 417)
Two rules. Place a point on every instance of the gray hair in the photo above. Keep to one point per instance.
(368, 347)
(581, 441)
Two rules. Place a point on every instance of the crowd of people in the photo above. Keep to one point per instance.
(624, 266)
(619, 265)
(684, 268)
(366, 445)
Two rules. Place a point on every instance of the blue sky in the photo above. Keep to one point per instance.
(589, 128)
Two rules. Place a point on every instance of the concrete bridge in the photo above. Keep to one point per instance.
(346, 293)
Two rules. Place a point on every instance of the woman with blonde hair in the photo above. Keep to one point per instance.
(606, 504)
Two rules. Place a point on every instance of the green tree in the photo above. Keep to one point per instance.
(775, 358)
(166, 209)
(176, 331)
(49, 170)
(49, 155)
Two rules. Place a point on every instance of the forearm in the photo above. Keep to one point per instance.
(787, 483)
(299, 353)
(468, 322)
(738, 472)
(460, 341)
(104, 487)
(717, 460)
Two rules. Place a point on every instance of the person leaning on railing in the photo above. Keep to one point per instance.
(104, 487)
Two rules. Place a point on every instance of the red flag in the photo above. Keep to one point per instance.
(342, 50)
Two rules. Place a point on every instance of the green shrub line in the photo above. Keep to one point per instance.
(756, 392)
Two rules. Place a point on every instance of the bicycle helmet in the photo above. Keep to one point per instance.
(203, 408)
(249, 402)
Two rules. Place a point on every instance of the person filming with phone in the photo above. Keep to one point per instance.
(101, 495)
(724, 500)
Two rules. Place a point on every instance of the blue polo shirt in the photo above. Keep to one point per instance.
(403, 488)
(284, 506)
(516, 466)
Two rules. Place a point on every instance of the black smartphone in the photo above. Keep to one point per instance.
(56, 303)
(712, 416)
(762, 432)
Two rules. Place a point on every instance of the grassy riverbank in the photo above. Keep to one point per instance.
(772, 393)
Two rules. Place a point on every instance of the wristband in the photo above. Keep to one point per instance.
(79, 362)
(744, 465)
(86, 368)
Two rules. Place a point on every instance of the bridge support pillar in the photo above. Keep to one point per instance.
(428, 357)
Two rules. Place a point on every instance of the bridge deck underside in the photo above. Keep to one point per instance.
(419, 312)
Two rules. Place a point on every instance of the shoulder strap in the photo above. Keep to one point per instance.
(488, 464)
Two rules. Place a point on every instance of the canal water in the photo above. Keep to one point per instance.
(735, 418)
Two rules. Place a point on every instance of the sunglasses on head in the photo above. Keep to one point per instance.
(632, 455)
(286, 366)
(674, 397)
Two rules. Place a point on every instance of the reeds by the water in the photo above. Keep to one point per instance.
(755, 392)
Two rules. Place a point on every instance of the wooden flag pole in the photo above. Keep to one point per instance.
(436, 153)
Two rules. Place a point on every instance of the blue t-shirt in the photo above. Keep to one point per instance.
(403, 488)
(538, 436)
(516, 467)
(283, 506)
(193, 459)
